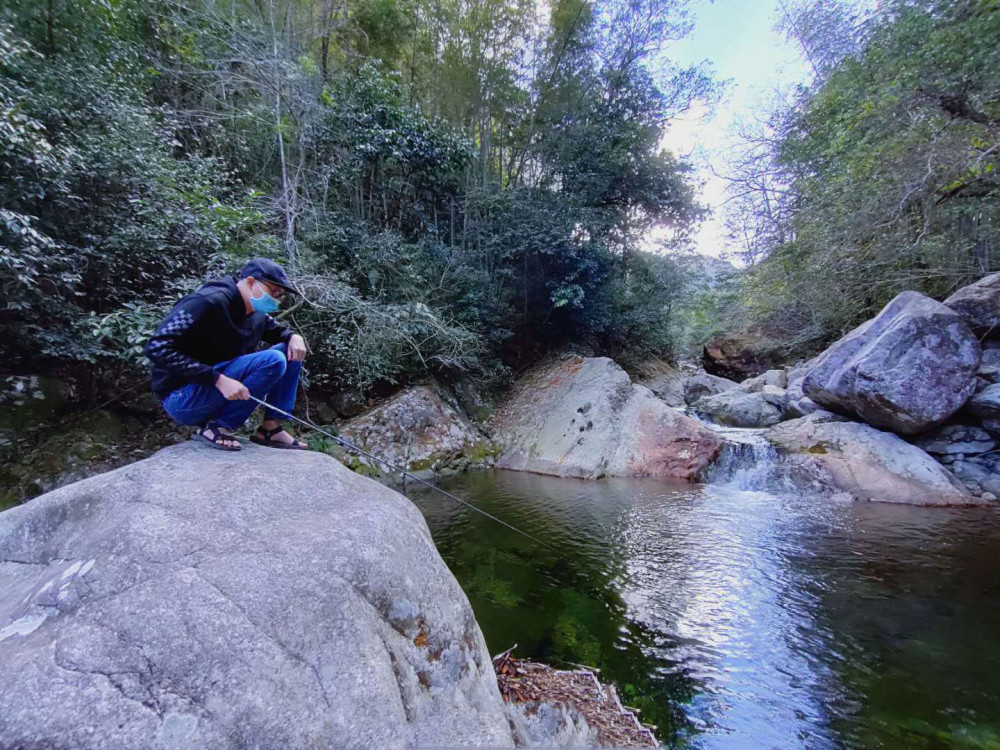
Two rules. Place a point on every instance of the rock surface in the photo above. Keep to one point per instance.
(583, 417)
(738, 408)
(979, 304)
(739, 356)
(864, 462)
(908, 369)
(664, 380)
(956, 438)
(415, 428)
(701, 385)
(986, 403)
(201, 599)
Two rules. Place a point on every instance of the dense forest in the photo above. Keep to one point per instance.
(464, 185)
(458, 185)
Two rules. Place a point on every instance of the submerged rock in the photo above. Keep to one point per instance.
(908, 369)
(701, 385)
(869, 464)
(583, 417)
(256, 599)
(416, 428)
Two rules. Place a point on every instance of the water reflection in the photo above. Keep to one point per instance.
(734, 618)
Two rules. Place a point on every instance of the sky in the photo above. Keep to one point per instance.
(738, 40)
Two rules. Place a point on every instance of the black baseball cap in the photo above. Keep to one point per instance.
(268, 270)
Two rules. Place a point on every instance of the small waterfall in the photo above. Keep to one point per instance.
(747, 461)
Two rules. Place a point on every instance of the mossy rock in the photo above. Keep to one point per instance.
(26, 401)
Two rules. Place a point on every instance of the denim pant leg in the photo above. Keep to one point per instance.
(196, 404)
(282, 394)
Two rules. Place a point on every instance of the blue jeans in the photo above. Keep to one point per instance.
(267, 374)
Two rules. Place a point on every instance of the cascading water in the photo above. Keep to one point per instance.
(747, 461)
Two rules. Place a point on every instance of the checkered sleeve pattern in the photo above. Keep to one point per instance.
(163, 348)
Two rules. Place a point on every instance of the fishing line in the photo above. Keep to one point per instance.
(393, 467)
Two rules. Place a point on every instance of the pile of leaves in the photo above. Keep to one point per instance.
(523, 681)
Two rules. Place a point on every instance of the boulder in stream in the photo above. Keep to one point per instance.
(202, 599)
(583, 417)
(868, 464)
(978, 304)
(739, 356)
(954, 439)
(663, 379)
(418, 429)
(908, 369)
(738, 408)
(701, 385)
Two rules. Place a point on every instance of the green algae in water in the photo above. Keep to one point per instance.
(741, 619)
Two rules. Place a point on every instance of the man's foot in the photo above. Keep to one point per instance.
(271, 434)
(218, 437)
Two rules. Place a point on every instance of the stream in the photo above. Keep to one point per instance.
(742, 612)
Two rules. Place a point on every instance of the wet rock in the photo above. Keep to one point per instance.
(701, 385)
(907, 370)
(663, 379)
(869, 464)
(737, 408)
(739, 356)
(255, 599)
(415, 428)
(956, 439)
(979, 304)
(584, 417)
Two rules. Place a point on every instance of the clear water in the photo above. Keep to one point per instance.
(739, 618)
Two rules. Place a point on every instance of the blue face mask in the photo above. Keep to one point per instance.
(264, 304)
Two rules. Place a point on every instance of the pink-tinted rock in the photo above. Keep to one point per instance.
(583, 417)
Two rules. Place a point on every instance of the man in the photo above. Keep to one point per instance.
(206, 364)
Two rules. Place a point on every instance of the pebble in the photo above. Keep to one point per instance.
(988, 496)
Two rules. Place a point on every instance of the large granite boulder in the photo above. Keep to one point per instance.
(739, 356)
(979, 304)
(866, 463)
(663, 379)
(202, 599)
(738, 408)
(583, 417)
(907, 370)
(417, 429)
(698, 386)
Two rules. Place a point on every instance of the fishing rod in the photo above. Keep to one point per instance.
(393, 467)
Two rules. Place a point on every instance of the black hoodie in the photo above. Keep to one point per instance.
(205, 328)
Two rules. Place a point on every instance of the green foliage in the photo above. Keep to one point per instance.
(881, 177)
(449, 203)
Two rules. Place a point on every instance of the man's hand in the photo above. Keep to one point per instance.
(233, 390)
(296, 348)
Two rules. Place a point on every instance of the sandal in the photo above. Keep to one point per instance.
(263, 437)
(218, 439)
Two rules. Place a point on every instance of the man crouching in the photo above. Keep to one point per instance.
(206, 364)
